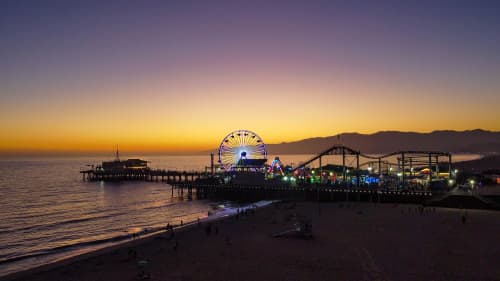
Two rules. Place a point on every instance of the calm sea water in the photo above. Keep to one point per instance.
(48, 213)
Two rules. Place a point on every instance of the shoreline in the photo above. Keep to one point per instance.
(133, 242)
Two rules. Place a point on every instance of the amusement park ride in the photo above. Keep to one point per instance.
(242, 158)
(244, 152)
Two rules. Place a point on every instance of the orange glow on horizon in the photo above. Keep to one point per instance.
(195, 118)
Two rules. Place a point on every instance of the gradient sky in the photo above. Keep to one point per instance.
(180, 75)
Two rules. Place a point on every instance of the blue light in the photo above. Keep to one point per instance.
(371, 180)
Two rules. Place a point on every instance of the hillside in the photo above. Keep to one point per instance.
(473, 141)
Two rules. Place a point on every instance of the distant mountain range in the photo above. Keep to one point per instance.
(473, 141)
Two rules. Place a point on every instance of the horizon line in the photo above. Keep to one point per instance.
(179, 152)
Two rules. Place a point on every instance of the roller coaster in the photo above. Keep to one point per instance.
(402, 164)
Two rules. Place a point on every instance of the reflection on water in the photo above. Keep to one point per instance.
(45, 207)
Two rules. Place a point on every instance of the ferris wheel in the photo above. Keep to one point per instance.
(241, 148)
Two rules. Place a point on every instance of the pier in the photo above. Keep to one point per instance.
(320, 193)
(242, 174)
(153, 175)
(193, 184)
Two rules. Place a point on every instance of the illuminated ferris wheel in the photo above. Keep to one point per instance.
(242, 148)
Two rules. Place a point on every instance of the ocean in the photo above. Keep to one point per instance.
(48, 213)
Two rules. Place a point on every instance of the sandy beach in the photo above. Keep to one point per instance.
(360, 241)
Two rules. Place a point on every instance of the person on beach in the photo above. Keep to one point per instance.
(208, 229)
(132, 254)
(171, 231)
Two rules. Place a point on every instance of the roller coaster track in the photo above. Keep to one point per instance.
(347, 151)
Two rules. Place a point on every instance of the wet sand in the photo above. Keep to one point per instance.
(361, 242)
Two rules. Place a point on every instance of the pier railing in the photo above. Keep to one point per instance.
(143, 175)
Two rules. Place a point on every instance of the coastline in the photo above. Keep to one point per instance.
(350, 242)
(134, 242)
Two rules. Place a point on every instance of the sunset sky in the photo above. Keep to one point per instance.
(179, 75)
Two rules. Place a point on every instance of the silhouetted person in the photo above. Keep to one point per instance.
(131, 254)
(463, 219)
(208, 229)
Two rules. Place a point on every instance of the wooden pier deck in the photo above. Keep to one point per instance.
(156, 175)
